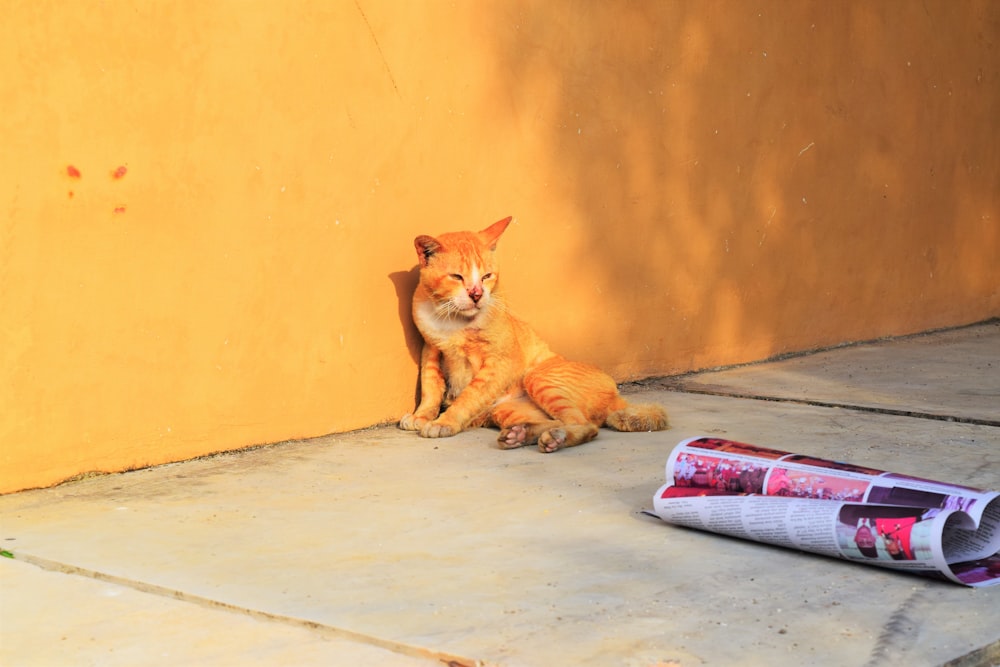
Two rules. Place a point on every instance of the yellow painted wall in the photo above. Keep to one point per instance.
(694, 183)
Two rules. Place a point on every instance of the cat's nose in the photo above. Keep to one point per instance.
(476, 293)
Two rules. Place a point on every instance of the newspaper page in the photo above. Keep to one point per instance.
(838, 509)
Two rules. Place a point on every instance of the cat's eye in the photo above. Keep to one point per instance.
(458, 277)
(487, 276)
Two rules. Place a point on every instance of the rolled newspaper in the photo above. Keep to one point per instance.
(837, 509)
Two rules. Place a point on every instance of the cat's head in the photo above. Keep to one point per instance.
(458, 271)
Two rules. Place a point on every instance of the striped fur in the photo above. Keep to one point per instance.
(483, 366)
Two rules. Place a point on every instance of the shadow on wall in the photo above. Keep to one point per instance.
(405, 283)
(762, 179)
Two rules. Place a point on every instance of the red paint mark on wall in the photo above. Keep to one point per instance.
(119, 172)
(73, 171)
(70, 194)
(119, 209)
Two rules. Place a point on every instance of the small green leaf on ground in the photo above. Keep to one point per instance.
(6, 554)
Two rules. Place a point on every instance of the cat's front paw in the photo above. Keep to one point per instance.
(411, 422)
(439, 428)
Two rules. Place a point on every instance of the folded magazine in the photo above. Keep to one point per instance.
(838, 509)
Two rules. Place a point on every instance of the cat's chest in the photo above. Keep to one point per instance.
(465, 351)
(465, 345)
(462, 358)
(459, 371)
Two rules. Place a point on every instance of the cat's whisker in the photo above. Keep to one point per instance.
(447, 309)
(499, 303)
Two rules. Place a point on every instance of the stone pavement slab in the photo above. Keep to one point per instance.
(454, 552)
(52, 618)
(952, 374)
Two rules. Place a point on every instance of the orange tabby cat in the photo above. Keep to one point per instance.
(485, 366)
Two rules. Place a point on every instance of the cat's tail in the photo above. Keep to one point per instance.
(638, 417)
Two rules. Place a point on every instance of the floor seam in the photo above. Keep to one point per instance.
(322, 629)
(916, 414)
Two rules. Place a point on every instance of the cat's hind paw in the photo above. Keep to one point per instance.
(552, 440)
(514, 436)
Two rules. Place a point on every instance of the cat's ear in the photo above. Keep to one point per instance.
(426, 247)
(492, 233)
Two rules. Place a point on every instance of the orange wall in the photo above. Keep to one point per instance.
(695, 184)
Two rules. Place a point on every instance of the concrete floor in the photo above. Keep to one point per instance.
(381, 548)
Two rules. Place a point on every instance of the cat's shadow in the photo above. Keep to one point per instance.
(405, 283)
